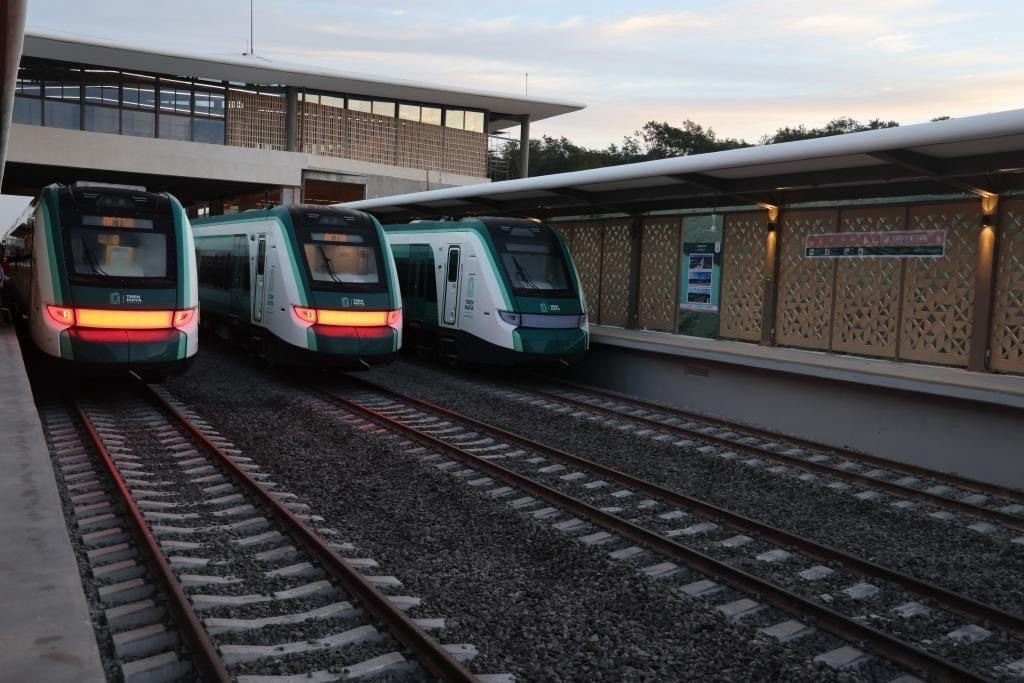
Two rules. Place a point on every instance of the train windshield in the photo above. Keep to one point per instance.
(341, 251)
(120, 238)
(533, 260)
(107, 252)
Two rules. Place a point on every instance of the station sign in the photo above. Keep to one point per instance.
(893, 244)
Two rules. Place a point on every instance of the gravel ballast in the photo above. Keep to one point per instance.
(535, 602)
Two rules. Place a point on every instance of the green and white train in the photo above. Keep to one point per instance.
(494, 291)
(104, 278)
(310, 285)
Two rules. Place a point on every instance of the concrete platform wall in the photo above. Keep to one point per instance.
(975, 439)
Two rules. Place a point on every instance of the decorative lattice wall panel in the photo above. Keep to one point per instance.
(256, 121)
(565, 230)
(938, 293)
(465, 152)
(659, 274)
(867, 294)
(420, 145)
(615, 273)
(1008, 312)
(804, 313)
(322, 129)
(587, 240)
(371, 137)
(742, 270)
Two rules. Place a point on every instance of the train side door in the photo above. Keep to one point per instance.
(450, 306)
(261, 278)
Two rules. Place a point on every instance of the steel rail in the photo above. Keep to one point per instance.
(954, 602)
(881, 643)
(1011, 494)
(431, 655)
(1005, 518)
(206, 657)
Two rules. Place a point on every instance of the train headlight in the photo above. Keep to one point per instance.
(510, 317)
(306, 315)
(395, 318)
(183, 317)
(61, 314)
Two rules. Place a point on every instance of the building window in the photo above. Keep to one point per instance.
(102, 98)
(431, 115)
(208, 125)
(28, 94)
(475, 121)
(455, 118)
(138, 115)
(175, 127)
(62, 90)
(409, 112)
(384, 108)
(360, 105)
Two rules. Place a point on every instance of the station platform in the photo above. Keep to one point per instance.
(944, 418)
(45, 629)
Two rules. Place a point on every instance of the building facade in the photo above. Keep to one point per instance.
(228, 133)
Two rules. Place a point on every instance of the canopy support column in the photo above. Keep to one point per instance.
(524, 147)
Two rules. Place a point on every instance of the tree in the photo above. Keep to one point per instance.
(662, 140)
(839, 126)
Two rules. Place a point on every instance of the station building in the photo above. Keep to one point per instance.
(227, 133)
(866, 290)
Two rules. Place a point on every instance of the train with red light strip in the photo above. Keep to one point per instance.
(301, 285)
(103, 280)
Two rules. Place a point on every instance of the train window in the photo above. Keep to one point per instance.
(340, 262)
(453, 265)
(115, 253)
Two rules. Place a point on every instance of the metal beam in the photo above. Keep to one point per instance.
(927, 166)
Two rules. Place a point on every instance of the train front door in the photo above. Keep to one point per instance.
(450, 306)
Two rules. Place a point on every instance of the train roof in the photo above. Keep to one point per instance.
(278, 212)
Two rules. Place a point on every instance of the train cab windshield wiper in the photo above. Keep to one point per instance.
(523, 276)
(91, 259)
(327, 262)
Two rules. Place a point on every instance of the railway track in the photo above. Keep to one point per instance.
(255, 584)
(919, 626)
(988, 506)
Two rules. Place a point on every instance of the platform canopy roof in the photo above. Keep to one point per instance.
(977, 154)
(506, 110)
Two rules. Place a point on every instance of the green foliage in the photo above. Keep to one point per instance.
(840, 126)
(659, 140)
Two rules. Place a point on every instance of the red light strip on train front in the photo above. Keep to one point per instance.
(323, 316)
(120, 319)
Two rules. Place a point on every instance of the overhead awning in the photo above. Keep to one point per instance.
(978, 154)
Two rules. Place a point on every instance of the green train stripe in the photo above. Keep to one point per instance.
(54, 249)
(181, 242)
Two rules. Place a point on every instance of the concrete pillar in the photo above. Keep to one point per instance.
(770, 296)
(984, 285)
(524, 147)
(636, 239)
(291, 128)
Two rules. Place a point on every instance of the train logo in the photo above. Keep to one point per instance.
(115, 298)
(543, 308)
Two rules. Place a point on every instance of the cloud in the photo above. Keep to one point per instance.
(647, 23)
(895, 43)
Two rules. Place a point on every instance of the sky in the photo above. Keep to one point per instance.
(743, 68)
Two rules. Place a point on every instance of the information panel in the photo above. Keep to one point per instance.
(893, 244)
